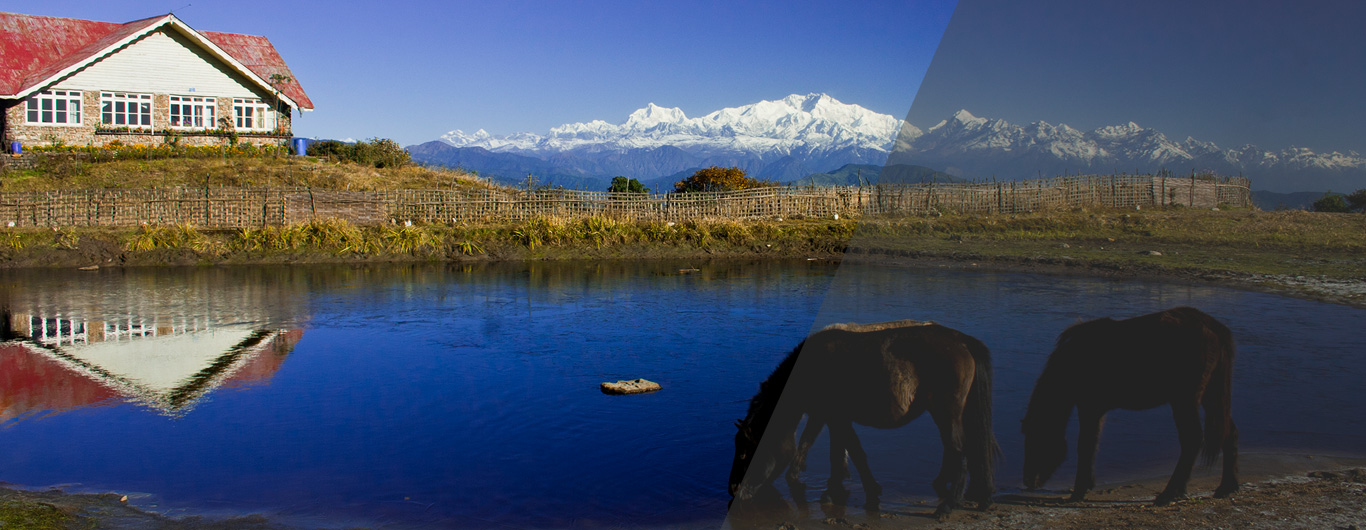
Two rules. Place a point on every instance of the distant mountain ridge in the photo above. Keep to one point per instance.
(868, 175)
(970, 146)
(779, 140)
(801, 136)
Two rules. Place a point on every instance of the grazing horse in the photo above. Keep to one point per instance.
(1180, 357)
(880, 375)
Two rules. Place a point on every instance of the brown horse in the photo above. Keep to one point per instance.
(1180, 357)
(880, 375)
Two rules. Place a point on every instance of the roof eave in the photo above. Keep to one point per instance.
(226, 58)
(37, 86)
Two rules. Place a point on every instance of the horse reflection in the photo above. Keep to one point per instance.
(1181, 357)
(881, 375)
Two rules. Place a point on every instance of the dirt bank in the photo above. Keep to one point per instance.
(1279, 491)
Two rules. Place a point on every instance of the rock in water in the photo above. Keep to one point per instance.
(634, 386)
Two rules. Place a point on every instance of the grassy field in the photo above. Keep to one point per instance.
(1233, 242)
(72, 173)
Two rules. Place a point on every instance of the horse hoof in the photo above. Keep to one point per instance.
(941, 513)
(837, 497)
(1164, 499)
(979, 496)
(1223, 493)
(1077, 497)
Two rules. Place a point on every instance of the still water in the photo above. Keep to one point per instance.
(439, 396)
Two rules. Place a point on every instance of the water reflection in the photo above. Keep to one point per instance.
(57, 364)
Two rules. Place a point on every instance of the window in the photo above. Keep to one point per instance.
(132, 110)
(253, 114)
(193, 112)
(55, 107)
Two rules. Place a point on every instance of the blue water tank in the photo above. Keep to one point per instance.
(301, 146)
(16, 148)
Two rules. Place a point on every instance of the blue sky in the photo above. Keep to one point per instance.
(1267, 72)
(414, 70)
(1276, 74)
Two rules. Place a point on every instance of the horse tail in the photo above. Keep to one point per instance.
(1218, 398)
(979, 444)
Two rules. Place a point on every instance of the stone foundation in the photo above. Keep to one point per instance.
(89, 132)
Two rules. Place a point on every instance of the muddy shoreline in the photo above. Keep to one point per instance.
(1279, 490)
(1349, 292)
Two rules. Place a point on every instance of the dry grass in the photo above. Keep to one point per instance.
(1183, 241)
(67, 174)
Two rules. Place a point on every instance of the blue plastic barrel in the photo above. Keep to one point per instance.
(301, 146)
(16, 148)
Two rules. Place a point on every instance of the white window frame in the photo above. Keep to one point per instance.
(252, 115)
(119, 109)
(54, 105)
(199, 112)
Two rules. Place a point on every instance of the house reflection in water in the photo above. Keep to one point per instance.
(52, 363)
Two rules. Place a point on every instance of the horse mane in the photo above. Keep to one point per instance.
(762, 405)
(1048, 403)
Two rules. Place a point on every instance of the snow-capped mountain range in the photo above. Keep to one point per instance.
(795, 124)
(796, 136)
(967, 145)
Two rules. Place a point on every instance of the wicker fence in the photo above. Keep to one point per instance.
(255, 207)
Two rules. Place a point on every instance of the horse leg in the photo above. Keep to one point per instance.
(794, 481)
(950, 483)
(1229, 483)
(871, 488)
(1187, 416)
(1088, 444)
(835, 493)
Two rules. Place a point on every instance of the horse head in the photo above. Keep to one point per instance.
(1045, 450)
(771, 461)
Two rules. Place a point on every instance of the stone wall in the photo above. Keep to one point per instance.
(89, 133)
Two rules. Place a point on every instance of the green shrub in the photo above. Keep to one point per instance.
(1332, 202)
(623, 185)
(378, 152)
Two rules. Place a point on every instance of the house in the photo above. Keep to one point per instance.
(81, 82)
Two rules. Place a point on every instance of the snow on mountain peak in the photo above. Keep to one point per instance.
(652, 115)
(965, 117)
(795, 122)
(818, 130)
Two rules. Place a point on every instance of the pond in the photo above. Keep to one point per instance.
(467, 396)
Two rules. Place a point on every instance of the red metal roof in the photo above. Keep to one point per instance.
(30, 382)
(259, 56)
(34, 48)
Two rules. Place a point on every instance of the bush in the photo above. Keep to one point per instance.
(622, 185)
(1357, 200)
(1331, 202)
(378, 152)
(717, 178)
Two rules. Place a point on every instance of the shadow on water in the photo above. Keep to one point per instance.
(467, 396)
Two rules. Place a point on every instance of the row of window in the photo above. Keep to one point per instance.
(63, 107)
